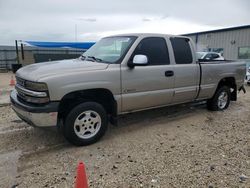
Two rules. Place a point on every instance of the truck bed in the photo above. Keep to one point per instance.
(214, 61)
(212, 72)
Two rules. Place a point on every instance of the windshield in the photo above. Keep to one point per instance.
(199, 55)
(109, 50)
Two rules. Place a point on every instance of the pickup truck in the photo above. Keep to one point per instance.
(121, 74)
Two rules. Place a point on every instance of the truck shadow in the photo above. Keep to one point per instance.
(41, 139)
(127, 123)
(142, 119)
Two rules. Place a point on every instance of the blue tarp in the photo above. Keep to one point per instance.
(81, 45)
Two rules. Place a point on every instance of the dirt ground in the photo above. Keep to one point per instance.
(180, 146)
(5, 79)
(5, 87)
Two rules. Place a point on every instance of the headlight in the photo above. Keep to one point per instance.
(33, 92)
(36, 86)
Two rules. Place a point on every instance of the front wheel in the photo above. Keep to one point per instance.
(220, 100)
(85, 124)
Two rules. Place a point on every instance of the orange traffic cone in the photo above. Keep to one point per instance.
(12, 81)
(81, 178)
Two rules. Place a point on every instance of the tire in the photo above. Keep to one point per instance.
(85, 124)
(218, 102)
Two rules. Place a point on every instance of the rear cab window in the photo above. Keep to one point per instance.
(182, 50)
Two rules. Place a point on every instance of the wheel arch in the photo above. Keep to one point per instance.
(100, 95)
(231, 83)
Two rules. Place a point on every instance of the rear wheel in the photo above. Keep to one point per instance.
(220, 100)
(85, 124)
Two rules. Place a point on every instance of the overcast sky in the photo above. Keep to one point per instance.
(58, 20)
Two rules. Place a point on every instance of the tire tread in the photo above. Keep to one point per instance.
(68, 128)
(212, 103)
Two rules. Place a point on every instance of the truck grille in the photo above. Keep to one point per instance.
(20, 94)
(20, 81)
(27, 95)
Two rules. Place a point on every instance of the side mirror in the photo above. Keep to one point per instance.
(139, 60)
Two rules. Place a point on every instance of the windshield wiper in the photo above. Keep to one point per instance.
(82, 57)
(92, 58)
(95, 58)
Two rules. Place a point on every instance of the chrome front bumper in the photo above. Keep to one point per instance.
(45, 116)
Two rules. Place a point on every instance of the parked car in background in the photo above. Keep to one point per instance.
(209, 56)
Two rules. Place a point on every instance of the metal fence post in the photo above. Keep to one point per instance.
(17, 55)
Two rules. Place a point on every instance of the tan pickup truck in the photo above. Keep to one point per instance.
(121, 74)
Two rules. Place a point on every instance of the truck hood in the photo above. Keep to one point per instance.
(38, 71)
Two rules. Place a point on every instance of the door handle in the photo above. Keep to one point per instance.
(169, 73)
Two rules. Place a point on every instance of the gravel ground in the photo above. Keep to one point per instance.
(5, 87)
(180, 146)
(5, 79)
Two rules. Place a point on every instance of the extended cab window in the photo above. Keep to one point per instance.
(182, 50)
(155, 48)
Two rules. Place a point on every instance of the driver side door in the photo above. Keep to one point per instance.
(150, 85)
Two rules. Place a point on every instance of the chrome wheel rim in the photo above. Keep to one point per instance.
(222, 100)
(87, 124)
